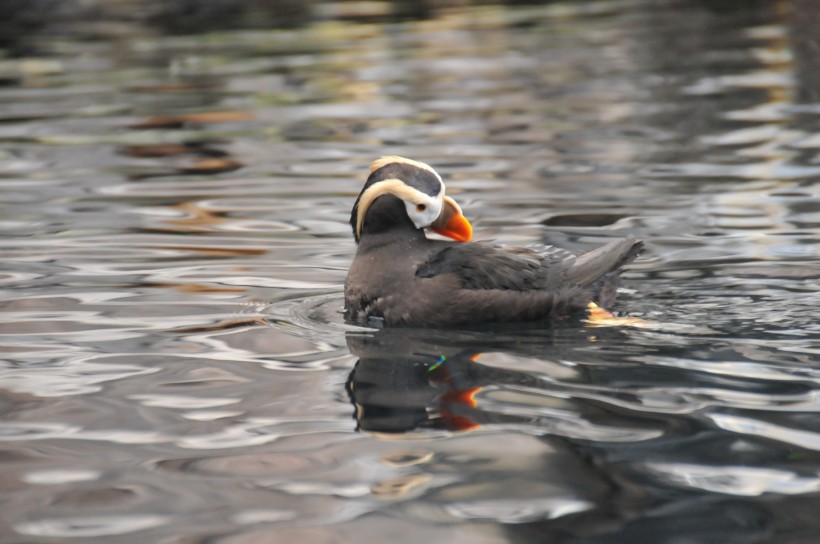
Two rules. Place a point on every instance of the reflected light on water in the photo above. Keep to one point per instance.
(176, 187)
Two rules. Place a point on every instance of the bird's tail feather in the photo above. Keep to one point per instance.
(590, 267)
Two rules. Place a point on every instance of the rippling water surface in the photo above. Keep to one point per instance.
(175, 366)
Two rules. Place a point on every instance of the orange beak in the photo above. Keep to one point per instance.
(451, 223)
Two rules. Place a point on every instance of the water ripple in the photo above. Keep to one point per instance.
(506, 511)
(734, 480)
(175, 237)
(757, 427)
(90, 527)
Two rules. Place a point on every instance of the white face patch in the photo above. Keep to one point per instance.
(423, 213)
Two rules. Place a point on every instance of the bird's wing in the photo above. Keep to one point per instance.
(487, 266)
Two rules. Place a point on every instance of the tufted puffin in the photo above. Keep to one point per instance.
(399, 277)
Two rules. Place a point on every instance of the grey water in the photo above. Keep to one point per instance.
(174, 364)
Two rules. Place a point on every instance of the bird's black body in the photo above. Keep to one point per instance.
(402, 278)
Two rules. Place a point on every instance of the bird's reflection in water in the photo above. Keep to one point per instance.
(429, 381)
(556, 459)
(413, 379)
(402, 383)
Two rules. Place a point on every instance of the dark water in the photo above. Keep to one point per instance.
(175, 367)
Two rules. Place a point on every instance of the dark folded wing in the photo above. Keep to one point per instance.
(486, 266)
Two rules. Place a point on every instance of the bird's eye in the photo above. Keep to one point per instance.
(421, 207)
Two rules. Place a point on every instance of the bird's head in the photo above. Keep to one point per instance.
(414, 193)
